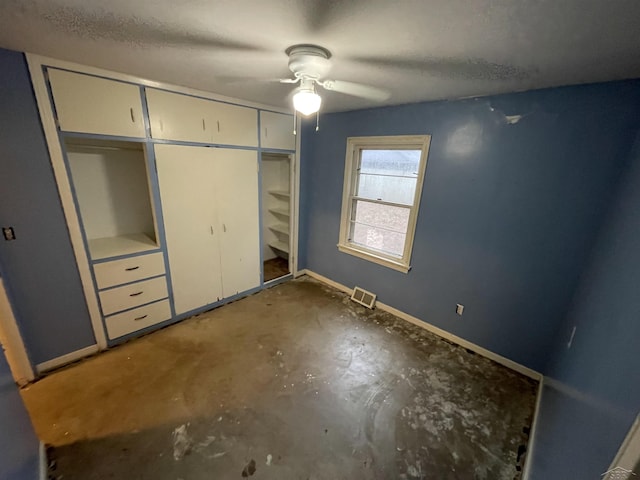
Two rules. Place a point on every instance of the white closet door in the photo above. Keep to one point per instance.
(187, 189)
(95, 105)
(238, 213)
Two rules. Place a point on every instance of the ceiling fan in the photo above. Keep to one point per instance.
(309, 65)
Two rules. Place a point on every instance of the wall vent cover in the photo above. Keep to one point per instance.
(363, 297)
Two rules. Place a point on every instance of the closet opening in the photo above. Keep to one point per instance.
(111, 185)
(276, 215)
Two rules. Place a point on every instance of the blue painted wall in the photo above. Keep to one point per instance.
(594, 392)
(19, 447)
(39, 267)
(509, 212)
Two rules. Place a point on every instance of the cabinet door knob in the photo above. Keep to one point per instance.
(136, 294)
(140, 318)
(132, 268)
(133, 119)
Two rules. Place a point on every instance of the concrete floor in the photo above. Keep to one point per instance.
(295, 382)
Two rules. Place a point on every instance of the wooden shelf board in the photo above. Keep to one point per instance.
(283, 247)
(279, 193)
(279, 211)
(122, 245)
(280, 228)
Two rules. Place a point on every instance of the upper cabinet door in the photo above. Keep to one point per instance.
(174, 116)
(234, 125)
(276, 131)
(95, 105)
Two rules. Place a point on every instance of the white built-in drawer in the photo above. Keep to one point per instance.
(137, 319)
(129, 296)
(118, 272)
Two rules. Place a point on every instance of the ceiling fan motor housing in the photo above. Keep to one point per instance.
(309, 61)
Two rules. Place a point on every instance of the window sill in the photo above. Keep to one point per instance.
(372, 257)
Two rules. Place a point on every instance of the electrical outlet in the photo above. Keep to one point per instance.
(8, 233)
(459, 309)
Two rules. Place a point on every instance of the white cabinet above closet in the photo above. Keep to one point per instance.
(90, 104)
(184, 118)
(235, 125)
(276, 131)
(178, 117)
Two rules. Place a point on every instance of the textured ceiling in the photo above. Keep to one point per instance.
(418, 50)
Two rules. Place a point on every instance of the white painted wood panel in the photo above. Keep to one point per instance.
(126, 270)
(95, 105)
(173, 116)
(137, 319)
(108, 247)
(187, 189)
(238, 207)
(111, 188)
(276, 131)
(234, 125)
(129, 296)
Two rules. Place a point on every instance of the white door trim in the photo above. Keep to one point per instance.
(11, 341)
(295, 164)
(629, 454)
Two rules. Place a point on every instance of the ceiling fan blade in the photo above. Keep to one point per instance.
(356, 89)
(465, 69)
(102, 24)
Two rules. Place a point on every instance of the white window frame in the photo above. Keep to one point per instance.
(352, 159)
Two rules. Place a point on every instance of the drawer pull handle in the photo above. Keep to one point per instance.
(132, 268)
(218, 126)
(136, 294)
(140, 318)
(133, 119)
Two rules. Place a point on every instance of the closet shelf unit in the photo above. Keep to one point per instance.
(111, 184)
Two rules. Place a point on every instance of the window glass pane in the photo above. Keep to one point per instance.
(386, 188)
(389, 175)
(379, 227)
(390, 162)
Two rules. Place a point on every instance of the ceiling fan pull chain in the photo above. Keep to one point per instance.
(295, 121)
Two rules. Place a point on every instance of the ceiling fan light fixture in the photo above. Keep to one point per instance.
(306, 101)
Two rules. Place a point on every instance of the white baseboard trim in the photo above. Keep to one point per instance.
(433, 329)
(43, 470)
(68, 358)
(526, 471)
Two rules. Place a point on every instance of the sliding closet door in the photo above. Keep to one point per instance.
(187, 190)
(238, 214)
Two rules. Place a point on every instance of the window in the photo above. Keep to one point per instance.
(383, 179)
